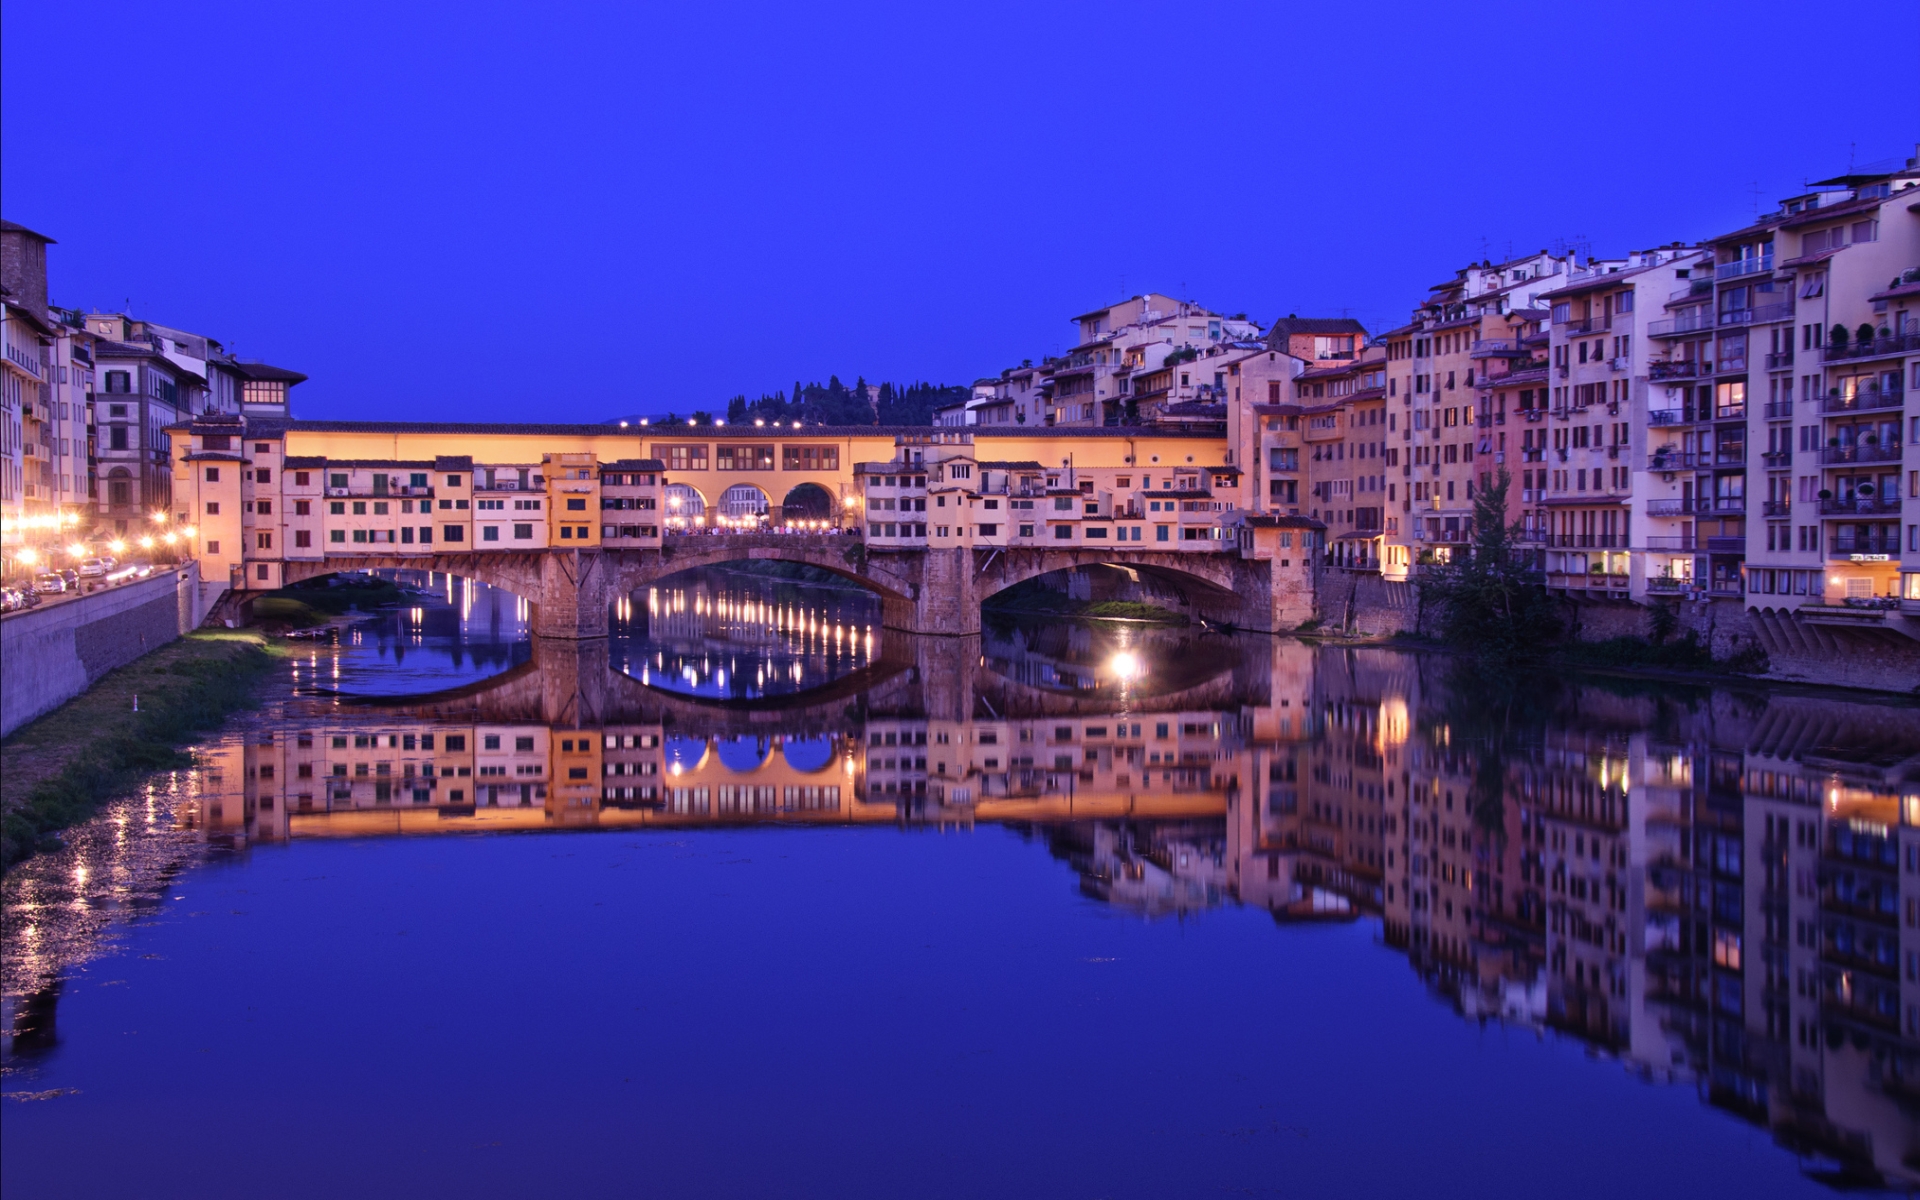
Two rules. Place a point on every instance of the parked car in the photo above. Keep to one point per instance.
(13, 599)
(93, 568)
(49, 583)
(72, 577)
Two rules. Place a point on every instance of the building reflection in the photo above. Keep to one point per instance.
(1716, 891)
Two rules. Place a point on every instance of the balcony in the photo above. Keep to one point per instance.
(1619, 362)
(1693, 543)
(1726, 544)
(1782, 361)
(1779, 410)
(1763, 315)
(1777, 460)
(1587, 541)
(1686, 324)
(1899, 343)
(1721, 504)
(1833, 455)
(1777, 508)
(1863, 401)
(1683, 369)
(1674, 460)
(1882, 546)
(1742, 267)
(1672, 508)
(1667, 416)
(369, 492)
(1698, 289)
(1860, 506)
(1576, 326)
(1668, 583)
(1498, 348)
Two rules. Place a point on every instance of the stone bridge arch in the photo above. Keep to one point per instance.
(892, 578)
(1212, 586)
(554, 583)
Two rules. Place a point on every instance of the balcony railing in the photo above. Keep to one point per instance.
(1697, 289)
(1780, 360)
(1762, 315)
(1863, 401)
(1680, 507)
(1597, 323)
(1588, 541)
(1777, 508)
(1498, 348)
(1777, 459)
(1899, 343)
(1847, 545)
(1674, 460)
(1693, 543)
(1779, 410)
(369, 492)
(1890, 452)
(1668, 583)
(1743, 266)
(1683, 369)
(1680, 326)
(1860, 506)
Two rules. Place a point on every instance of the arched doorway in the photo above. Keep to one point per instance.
(808, 502)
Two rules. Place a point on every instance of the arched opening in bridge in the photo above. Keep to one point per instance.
(808, 502)
(1094, 590)
(748, 629)
(685, 506)
(387, 632)
(743, 505)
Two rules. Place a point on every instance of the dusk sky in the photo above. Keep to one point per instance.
(569, 212)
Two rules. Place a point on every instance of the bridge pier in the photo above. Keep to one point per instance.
(572, 599)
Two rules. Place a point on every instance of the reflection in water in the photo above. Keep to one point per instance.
(1711, 889)
(452, 632)
(732, 635)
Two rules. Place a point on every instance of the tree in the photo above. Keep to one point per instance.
(1490, 599)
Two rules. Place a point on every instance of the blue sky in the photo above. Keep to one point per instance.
(573, 211)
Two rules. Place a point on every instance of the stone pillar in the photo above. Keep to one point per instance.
(573, 595)
(948, 602)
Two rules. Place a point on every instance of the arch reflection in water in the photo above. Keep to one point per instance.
(1710, 893)
(447, 632)
(734, 634)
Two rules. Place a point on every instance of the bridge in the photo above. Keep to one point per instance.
(924, 591)
(569, 518)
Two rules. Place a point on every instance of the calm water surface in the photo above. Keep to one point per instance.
(757, 899)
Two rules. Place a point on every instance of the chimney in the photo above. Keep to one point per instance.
(23, 267)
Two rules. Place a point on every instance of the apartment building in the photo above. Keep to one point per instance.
(1581, 451)
(45, 428)
(1829, 317)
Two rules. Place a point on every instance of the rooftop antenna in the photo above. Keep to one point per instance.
(1754, 189)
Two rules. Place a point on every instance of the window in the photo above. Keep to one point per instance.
(263, 541)
(213, 547)
(522, 532)
(337, 508)
(302, 539)
(454, 533)
(683, 458)
(808, 458)
(576, 504)
(213, 474)
(453, 481)
(745, 458)
(1062, 532)
(336, 535)
(119, 381)
(489, 533)
(213, 508)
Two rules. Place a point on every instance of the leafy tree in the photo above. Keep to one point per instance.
(1490, 599)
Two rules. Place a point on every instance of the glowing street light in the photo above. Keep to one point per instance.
(117, 546)
(29, 555)
(146, 543)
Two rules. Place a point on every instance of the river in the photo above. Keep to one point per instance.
(756, 898)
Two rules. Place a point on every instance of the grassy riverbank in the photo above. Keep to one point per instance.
(1041, 603)
(303, 606)
(55, 771)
